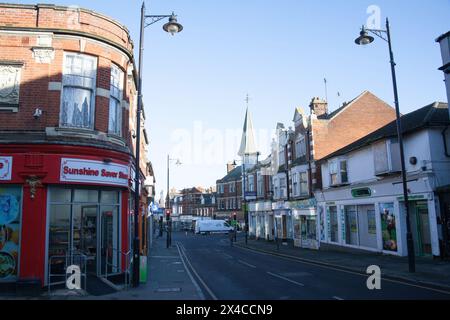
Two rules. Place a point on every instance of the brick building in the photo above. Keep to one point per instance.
(229, 194)
(67, 126)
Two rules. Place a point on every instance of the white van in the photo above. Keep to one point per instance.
(212, 226)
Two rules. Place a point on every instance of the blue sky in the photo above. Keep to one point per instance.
(277, 51)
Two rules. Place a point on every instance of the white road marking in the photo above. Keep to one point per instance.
(227, 255)
(312, 263)
(183, 252)
(197, 287)
(286, 279)
(247, 264)
(337, 298)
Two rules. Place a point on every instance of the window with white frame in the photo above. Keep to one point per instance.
(78, 91)
(283, 186)
(276, 188)
(251, 183)
(260, 184)
(338, 172)
(115, 101)
(303, 183)
(281, 157)
(300, 147)
(295, 184)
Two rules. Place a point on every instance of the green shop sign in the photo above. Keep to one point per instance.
(411, 198)
(361, 193)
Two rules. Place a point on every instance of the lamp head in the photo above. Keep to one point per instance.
(364, 38)
(173, 26)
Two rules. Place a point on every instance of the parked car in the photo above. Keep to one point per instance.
(212, 226)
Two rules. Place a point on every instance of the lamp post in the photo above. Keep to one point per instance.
(364, 39)
(172, 27)
(168, 218)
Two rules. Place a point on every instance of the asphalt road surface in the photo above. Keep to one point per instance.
(225, 272)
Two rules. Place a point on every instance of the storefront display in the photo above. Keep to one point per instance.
(10, 223)
(388, 227)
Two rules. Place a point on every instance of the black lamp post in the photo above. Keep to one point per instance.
(168, 217)
(172, 27)
(364, 39)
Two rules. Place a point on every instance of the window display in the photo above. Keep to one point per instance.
(388, 227)
(10, 223)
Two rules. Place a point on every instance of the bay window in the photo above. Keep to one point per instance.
(78, 91)
(115, 101)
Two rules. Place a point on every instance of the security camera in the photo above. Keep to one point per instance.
(37, 113)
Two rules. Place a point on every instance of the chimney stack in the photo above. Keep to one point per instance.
(318, 107)
(230, 167)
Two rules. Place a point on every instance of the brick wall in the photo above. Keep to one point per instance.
(37, 76)
(364, 115)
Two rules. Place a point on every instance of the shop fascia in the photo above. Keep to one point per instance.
(306, 204)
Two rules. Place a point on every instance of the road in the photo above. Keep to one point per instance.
(226, 272)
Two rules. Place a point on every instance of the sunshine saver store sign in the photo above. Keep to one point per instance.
(87, 171)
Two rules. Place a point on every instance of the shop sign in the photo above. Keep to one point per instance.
(88, 171)
(304, 204)
(361, 192)
(411, 198)
(5, 168)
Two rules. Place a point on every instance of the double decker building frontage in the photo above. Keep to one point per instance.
(67, 119)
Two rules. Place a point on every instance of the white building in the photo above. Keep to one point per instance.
(361, 204)
(444, 41)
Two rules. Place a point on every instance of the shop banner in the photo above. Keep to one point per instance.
(5, 168)
(88, 171)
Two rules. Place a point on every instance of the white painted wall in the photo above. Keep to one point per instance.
(445, 52)
(426, 145)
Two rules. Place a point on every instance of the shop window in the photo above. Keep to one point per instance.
(367, 229)
(334, 224)
(351, 225)
(87, 222)
(115, 101)
(10, 226)
(388, 227)
(85, 195)
(78, 91)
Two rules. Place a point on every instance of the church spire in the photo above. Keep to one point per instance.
(248, 146)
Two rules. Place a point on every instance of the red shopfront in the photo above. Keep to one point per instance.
(59, 200)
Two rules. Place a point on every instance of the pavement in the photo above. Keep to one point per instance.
(168, 278)
(429, 272)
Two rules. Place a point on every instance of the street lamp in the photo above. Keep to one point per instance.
(244, 198)
(168, 219)
(364, 39)
(173, 27)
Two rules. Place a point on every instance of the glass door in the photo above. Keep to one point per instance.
(85, 228)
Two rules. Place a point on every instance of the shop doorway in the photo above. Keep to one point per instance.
(85, 222)
(284, 227)
(420, 225)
